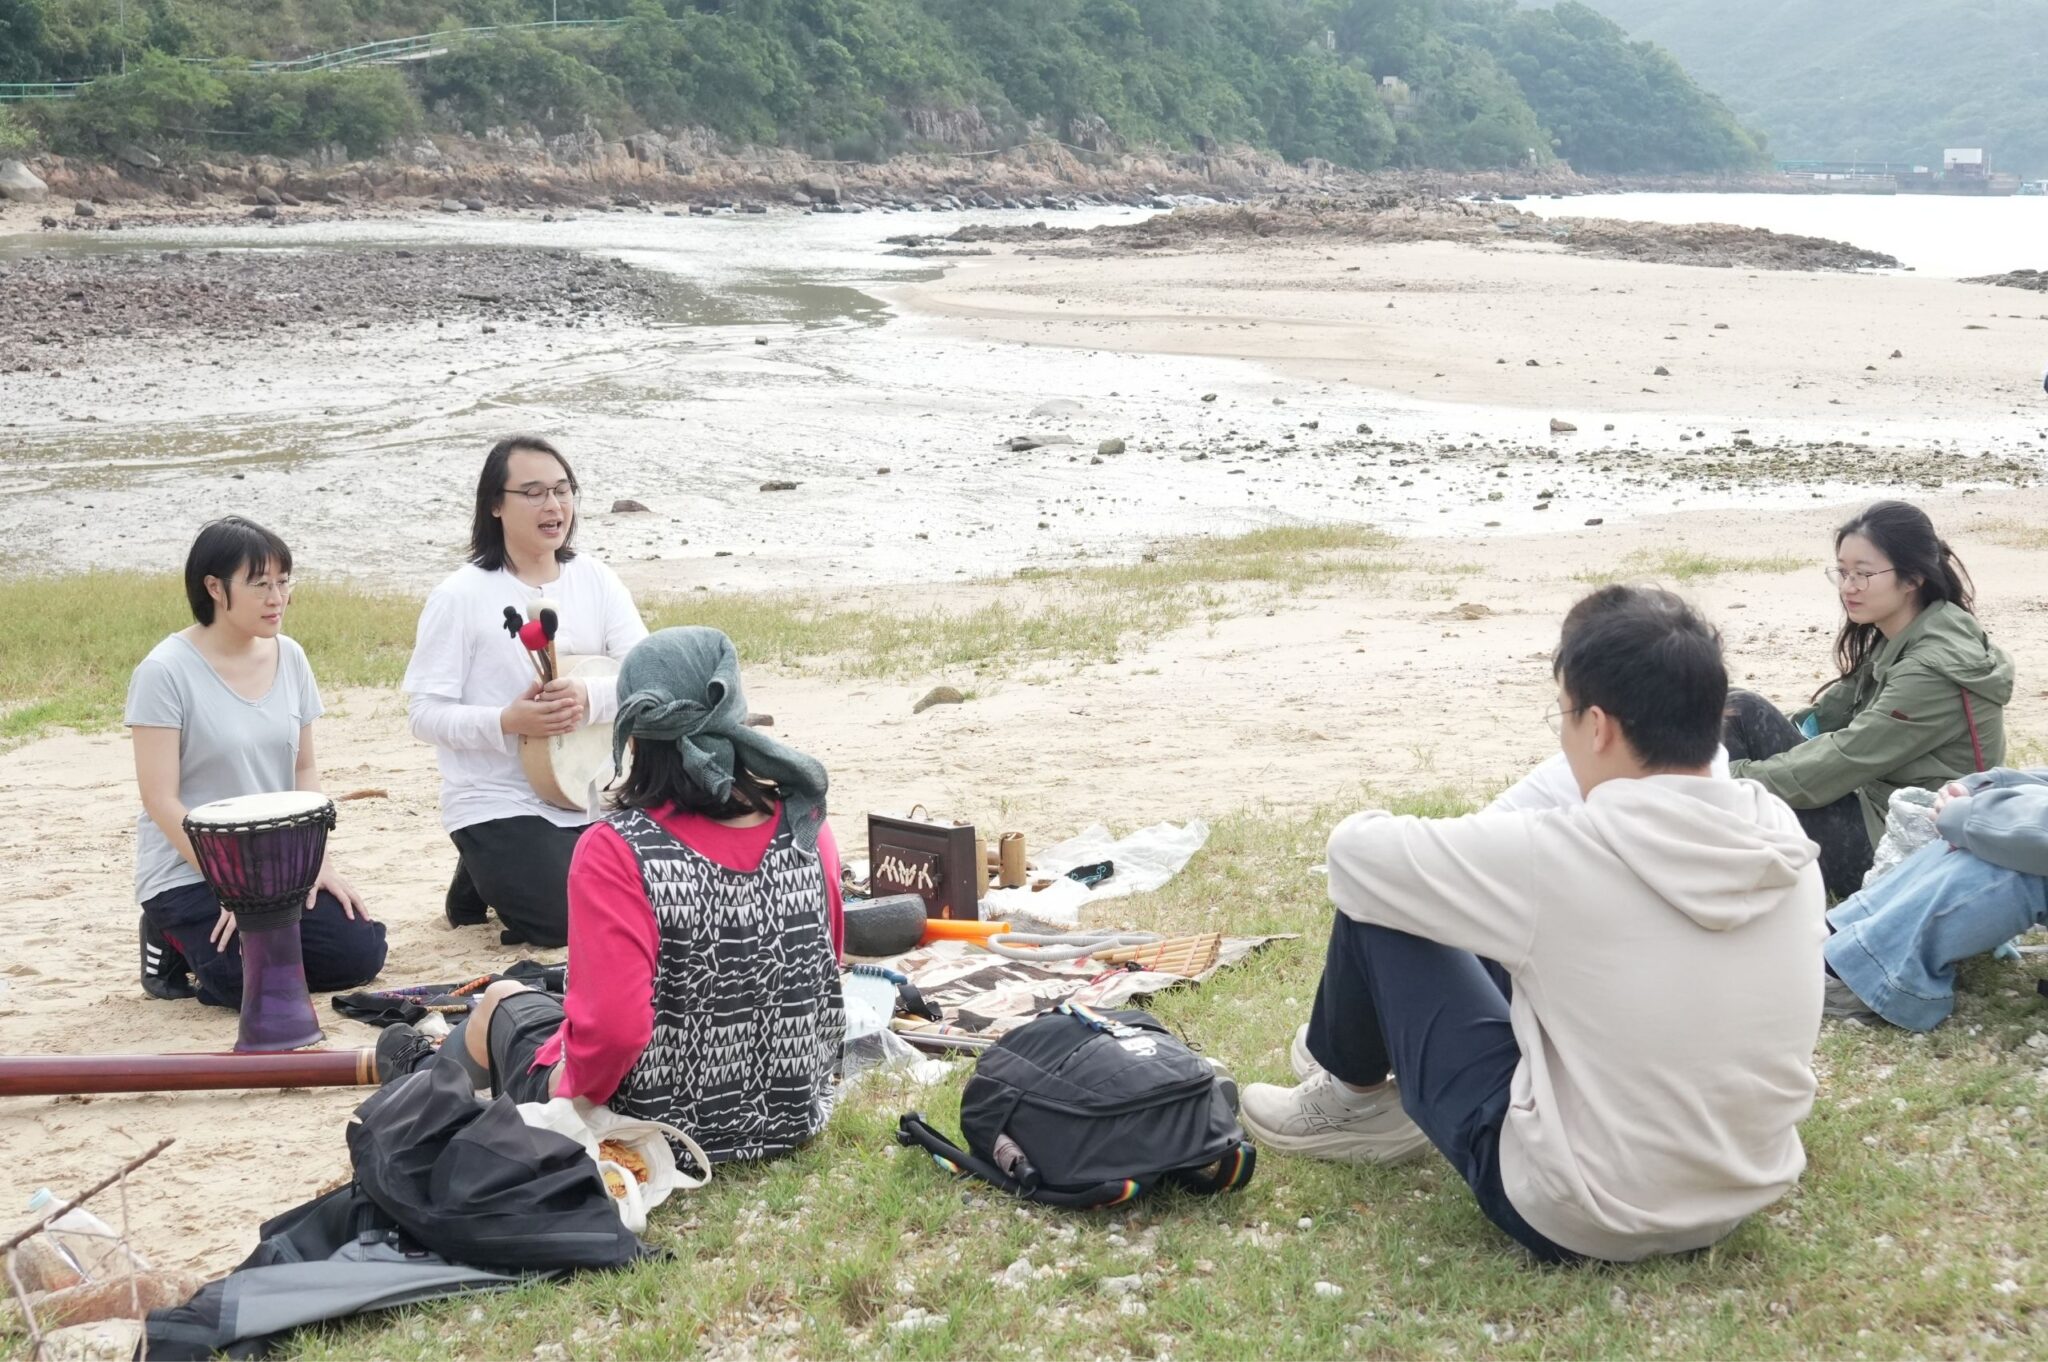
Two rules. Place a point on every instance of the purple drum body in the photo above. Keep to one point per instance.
(262, 855)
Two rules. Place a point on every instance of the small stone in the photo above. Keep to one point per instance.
(779, 485)
(883, 471)
(1017, 444)
(1720, 326)
(1898, 354)
(760, 340)
(1208, 397)
(1109, 447)
(1130, 1306)
(1329, 1291)
(1364, 429)
(1531, 364)
(1597, 520)
(83, 209)
(1558, 427)
(627, 506)
(1016, 1276)
(1660, 372)
(1308, 1222)
(938, 695)
(1120, 1286)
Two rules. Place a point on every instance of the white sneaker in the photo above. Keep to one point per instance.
(1325, 1120)
(1304, 1063)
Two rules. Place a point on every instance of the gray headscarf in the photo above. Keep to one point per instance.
(682, 686)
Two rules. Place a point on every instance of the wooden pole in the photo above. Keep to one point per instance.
(55, 1075)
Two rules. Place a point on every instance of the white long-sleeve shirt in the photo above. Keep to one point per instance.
(465, 669)
(1664, 939)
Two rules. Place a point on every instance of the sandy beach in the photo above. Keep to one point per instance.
(1268, 700)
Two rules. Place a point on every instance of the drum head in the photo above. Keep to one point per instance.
(571, 771)
(283, 806)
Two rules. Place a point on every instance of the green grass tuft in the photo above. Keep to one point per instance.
(1687, 565)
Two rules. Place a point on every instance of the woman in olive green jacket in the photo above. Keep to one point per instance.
(1920, 701)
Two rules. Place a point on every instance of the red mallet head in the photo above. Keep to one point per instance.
(531, 634)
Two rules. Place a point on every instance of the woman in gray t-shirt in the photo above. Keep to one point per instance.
(220, 709)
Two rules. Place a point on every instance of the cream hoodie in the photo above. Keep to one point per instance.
(1665, 945)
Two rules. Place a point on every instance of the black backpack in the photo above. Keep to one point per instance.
(1087, 1109)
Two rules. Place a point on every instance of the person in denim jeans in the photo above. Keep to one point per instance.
(1896, 944)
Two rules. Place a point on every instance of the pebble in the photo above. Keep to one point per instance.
(1120, 1286)
(1328, 1290)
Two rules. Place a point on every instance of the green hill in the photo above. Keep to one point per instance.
(1363, 83)
(1868, 79)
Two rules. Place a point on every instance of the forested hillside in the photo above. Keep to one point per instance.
(1474, 83)
(1868, 79)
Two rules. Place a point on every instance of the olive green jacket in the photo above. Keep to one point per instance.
(1900, 719)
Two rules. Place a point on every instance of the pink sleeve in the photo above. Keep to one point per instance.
(828, 859)
(608, 1014)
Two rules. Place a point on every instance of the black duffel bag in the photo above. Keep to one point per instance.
(1087, 1109)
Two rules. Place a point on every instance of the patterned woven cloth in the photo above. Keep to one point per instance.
(748, 1015)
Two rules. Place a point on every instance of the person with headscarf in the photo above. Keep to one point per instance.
(704, 929)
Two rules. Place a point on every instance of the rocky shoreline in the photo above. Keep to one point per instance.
(62, 309)
(1393, 216)
(693, 171)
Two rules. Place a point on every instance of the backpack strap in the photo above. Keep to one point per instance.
(1233, 1171)
(914, 1131)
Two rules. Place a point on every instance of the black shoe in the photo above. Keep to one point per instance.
(464, 906)
(165, 974)
(401, 1049)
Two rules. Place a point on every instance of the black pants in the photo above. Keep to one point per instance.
(341, 951)
(520, 1026)
(1394, 1003)
(519, 866)
(1755, 729)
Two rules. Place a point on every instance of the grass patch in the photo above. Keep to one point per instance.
(2013, 534)
(1687, 565)
(1910, 1235)
(73, 641)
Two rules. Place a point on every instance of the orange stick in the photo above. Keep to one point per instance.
(947, 929)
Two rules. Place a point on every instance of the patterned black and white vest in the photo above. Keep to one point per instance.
(748, 1016)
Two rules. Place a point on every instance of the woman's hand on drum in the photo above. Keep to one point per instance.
(333, 882)
(545, 713)
(562, 688)
(223, 930)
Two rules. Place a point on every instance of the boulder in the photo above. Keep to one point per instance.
(266, 211)
(1109, 447)
(19, 184)
(290, 200)
(821, 188)
(938, 695)
(627, 506)
(83, 209)
(1558, 427)
(779, 485)
(139, 158)
(265, 194)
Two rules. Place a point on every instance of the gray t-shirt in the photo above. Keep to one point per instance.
(227, 745)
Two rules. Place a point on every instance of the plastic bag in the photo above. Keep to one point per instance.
(591, 1125)
(1908, 826)
(1144, 861)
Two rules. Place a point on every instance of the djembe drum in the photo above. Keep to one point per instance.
(262, 855)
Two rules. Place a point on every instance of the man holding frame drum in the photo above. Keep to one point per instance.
(474, 694)
(219, 710)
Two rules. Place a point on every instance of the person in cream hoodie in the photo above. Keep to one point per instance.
(1603, 1014)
